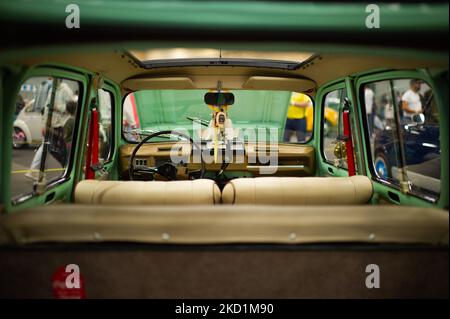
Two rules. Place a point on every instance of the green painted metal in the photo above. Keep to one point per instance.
(324, 167)
(232, 15)
(12, 79)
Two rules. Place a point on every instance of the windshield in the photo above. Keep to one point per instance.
(269, 115)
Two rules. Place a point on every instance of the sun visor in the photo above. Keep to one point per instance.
(165, 83)
(266, 83)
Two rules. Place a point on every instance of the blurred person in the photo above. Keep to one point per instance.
(389, 115)
(56, 146)
(63, 96)
(68, 128)
(20, 104)
(411, 101)
(43, 95)
(296, 117)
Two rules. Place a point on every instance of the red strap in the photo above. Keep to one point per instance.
(349, 143)
(92, 151)
(133, 106)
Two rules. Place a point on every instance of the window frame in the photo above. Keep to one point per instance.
(391, 76)
(334, 87)
(308, 142)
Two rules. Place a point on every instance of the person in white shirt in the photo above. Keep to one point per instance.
(411, 101)
(63, 95)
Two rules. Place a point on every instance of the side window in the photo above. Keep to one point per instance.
(300, 118)
(105, 124)
(382, 128)
(44, 126)
(332, 127)
(403, 126)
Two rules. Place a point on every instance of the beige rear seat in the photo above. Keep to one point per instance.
(196, 192)
(298, 190)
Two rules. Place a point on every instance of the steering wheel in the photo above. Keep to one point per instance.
(167, 169)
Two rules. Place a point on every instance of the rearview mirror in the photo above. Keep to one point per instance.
(219, 98)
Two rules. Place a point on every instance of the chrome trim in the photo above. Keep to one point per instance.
(276, 166)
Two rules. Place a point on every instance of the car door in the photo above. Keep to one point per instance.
(43, 173)
(403, 149)
(330, 101)
(103, 98)
(108, 98)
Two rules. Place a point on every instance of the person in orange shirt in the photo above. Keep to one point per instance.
(296, 117)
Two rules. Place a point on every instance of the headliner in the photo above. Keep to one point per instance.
(119, 65)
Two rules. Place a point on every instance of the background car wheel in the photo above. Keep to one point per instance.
(19, 138)
(382, 167)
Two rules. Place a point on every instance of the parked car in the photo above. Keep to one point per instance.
(28, 124)
(421, 149)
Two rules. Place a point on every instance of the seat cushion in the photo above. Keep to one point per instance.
(298, 190)
(195, 192)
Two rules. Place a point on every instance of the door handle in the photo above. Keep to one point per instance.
(49, 197)
(330, 170)
(394, 197)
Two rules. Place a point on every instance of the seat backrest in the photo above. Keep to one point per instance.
(195, 192)
(298, 190)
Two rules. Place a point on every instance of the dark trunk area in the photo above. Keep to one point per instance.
(139, 271)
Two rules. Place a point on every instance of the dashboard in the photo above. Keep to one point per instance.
(249, 159)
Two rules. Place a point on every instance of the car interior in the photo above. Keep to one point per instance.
(296, 180)
(117, 184)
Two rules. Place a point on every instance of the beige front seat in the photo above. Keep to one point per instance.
(196, 192)
(298, 190)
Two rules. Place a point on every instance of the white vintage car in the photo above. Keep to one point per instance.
(27, 126)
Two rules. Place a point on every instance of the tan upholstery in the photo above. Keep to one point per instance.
(298, 190)
(221, 224)
(196, 192)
